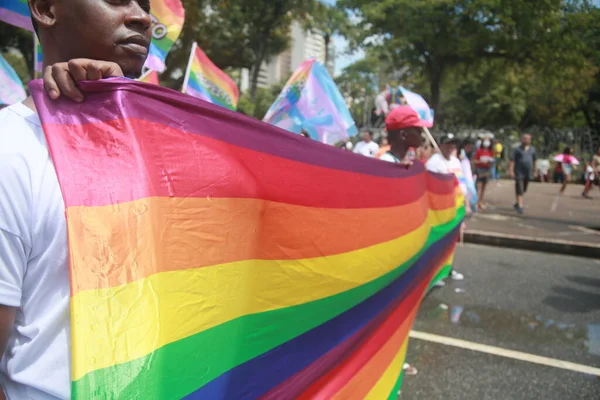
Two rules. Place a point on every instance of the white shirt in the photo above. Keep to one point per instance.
(366, 149)
(438, 163)
(34, 274)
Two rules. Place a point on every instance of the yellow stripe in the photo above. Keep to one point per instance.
(119, 324)
(388, 380)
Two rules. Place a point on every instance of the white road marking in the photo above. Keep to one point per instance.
(498, 351)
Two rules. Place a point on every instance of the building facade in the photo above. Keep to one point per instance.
(303, 45)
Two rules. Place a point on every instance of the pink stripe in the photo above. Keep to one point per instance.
(154, 63)
(16, 19)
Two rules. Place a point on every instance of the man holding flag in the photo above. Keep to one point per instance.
(81, 39)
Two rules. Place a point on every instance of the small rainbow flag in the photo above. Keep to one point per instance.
(38, 58)
(206, 81)
(11, 87)
(311, 101)
(167, 22)
(16, 12)
(213, 256)
(150, 77)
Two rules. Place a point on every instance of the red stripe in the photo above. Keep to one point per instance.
(124, 160)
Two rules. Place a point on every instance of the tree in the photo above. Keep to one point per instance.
(435, 37)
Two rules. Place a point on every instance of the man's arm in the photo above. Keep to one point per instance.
(511, 168)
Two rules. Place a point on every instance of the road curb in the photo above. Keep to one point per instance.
(564, 247)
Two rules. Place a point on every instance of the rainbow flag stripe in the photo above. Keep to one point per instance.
(16, 12)
(215, 257)
(150, 77)
(206, 81)
(11, 87)
(167, 23)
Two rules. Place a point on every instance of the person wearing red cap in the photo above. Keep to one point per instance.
(404, 131)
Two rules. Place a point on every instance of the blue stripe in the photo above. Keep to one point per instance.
(16, 6)
(259, 375)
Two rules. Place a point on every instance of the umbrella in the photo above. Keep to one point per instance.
(562, 158)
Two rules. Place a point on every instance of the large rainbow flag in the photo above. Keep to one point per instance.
(16, 12)
(206, 81)
(213, 256)
(310, 100)
(167, 23)
(11, 87)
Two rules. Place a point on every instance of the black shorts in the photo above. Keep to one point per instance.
(521, 186)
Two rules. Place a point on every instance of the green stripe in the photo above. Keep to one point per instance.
(394, 393)
(182, 367)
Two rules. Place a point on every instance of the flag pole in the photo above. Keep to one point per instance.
(189, 66)
(431, 139)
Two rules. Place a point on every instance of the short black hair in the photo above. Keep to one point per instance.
(33, 21)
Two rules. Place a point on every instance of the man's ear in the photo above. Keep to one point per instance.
(43, 12)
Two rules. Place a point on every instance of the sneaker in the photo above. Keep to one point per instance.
(439, 284)
(456, 276)
(520, 210)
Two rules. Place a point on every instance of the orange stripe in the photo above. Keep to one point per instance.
(115, 245)
(367, 377)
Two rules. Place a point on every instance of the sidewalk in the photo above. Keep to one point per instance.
(567, 224)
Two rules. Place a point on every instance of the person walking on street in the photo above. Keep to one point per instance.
(498, 153)
(592, 174)
(522, 168)
(484, 157)
(567, 165)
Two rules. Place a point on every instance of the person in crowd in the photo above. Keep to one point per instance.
(592, 174)
(81, 40)
(346, 146)
(484, 158)
(498, 156)
(404, 129)
(304, 133)
(543, 169)
(567, 165)
(367, 147)
(384, 147)
(522, 168)
(464, 154)
(468, 146)
(445, 162)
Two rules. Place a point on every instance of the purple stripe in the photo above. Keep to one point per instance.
(16, 19)
(119, 98)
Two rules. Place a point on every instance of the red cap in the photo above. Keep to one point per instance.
(404, 117)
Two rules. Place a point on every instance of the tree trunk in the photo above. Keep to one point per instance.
(327, 40)
(434, 90)
(254, 78)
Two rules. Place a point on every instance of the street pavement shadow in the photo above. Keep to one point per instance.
(571, 300)
(584, 280)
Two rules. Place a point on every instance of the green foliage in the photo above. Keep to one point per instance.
(258, 106)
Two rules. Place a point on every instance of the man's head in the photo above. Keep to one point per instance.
(468, 145)
(367, 136)
(106, 30)
(448, 144)
(526, 139)
(404, 127)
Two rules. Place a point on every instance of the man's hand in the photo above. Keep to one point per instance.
(61, 78)
(512, 174)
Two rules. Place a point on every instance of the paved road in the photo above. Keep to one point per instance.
(545, 305)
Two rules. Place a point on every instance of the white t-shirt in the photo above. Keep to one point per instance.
(366, 149)
(437, 163)
(34, 274)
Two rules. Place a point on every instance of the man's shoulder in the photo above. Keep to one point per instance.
(21, 131)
